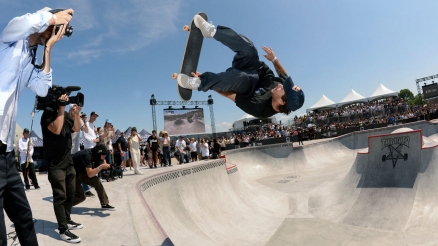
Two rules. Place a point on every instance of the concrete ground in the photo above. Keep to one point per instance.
(350, 190)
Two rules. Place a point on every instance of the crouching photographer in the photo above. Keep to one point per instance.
(57, 126)
(88, 164)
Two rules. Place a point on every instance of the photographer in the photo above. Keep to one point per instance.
(18, 43)
(87, 164)
(57, 126)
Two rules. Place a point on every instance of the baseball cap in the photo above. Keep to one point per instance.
(294, 95)
(134, 129)
(108, 121)
(94, 113)
(100, 149)
(25, 130)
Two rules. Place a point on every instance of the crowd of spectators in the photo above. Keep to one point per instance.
(383, 112)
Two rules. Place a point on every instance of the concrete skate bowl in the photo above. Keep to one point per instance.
(336, 192)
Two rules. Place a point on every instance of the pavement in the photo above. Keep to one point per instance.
(374, 187)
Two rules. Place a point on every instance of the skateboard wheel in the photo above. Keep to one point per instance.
(174, 75)
(186, 28)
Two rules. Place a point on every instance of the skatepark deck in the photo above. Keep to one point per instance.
(338, 191)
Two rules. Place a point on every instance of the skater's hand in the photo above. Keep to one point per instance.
(270, 55)
(196, 75)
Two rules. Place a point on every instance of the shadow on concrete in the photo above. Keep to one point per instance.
(90, 211)
(167, 242)
(47, 228)
(49, 199)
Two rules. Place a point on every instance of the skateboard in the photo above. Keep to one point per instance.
(191, 56)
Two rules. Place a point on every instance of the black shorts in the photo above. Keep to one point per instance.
(194, 155)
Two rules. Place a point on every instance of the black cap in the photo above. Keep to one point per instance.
(294, 95)
(94, 113)
(25, 130)
(100, 149)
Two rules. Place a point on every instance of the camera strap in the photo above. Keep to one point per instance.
(33, 51)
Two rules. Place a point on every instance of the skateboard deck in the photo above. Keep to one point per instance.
(191, 56)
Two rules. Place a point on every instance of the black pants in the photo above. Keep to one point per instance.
(166, 156)
(242, 77)
(94, 182)
(62, 178)
(31, 168)
(14, 202)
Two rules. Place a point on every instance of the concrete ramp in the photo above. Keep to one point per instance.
(375, 187)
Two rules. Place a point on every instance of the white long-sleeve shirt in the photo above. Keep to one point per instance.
(16, 70)
(90, 136)
(22, 148)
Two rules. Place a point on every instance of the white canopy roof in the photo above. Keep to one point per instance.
(353, 97)
(382, 92)
(323, 103)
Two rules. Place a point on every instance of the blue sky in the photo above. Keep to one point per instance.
(121, 52)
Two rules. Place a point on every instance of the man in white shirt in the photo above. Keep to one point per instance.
(90, 140)
(91, 137)
(25, 147)
(18, 43)
(180, 146)
(193, 150)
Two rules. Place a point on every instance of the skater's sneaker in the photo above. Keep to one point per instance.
(208, 30)
(73, 225)
(108, 207)
(188, 82)
(69, 237)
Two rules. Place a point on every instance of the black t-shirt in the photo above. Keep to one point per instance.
(123, 144)
(153, 143)
(57, 148)
(83, 159)
(259, 103)
(216, 148)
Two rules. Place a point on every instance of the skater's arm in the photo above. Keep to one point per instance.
(228, 94)
(270, 55)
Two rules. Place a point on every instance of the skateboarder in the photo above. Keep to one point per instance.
(250, 83)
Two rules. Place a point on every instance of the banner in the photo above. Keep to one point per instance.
(184, 121)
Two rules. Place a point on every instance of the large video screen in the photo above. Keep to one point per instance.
(184, 121)
(430, 91)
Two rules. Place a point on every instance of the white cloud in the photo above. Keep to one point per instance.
(223, 126)
(126, 26)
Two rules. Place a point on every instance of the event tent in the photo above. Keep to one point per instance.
(382, 92)
(323, 103)
(36, 140)
(352, 97)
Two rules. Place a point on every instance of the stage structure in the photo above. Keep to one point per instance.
(209, 102)
(424, 79)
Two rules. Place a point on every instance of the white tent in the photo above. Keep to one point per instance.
(323, 103)
(382, 92)
(353, 97)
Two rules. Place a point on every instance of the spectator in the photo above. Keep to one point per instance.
(152, 144)
(216, 153)
(204, 150)
(193, 150)
(107, 135)
(165, 141)
(122, 145)
(180, 151)
(134, 143)
(25, 147)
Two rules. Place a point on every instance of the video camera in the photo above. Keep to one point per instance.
(52, 99)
